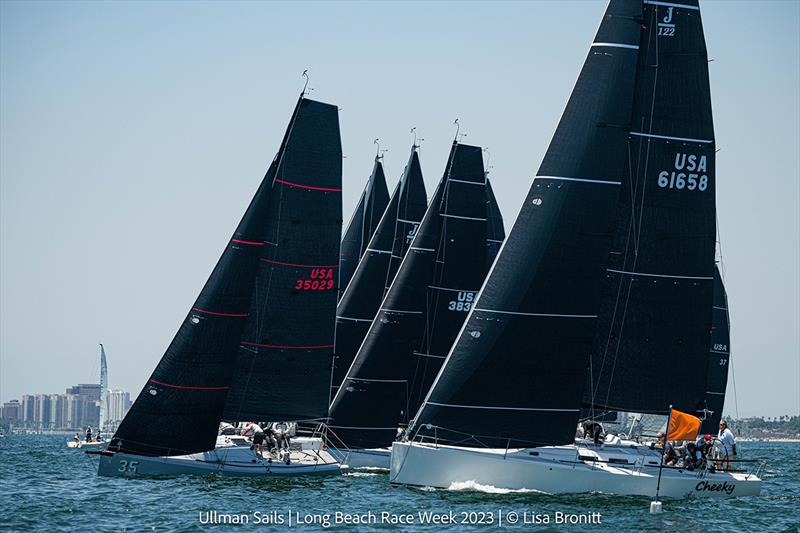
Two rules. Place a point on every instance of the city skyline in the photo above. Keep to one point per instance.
(125, 162)
(76, 408)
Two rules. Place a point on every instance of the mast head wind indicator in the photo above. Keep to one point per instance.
(416, 141)
(378, 152)
(458, 136)
(305, 86)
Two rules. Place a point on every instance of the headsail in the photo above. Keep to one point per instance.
(378, 266)
(363, 224)
(658, 285)
(283, 366)
(422, 312)
(719, 357)
(179, 408)
(515, 374)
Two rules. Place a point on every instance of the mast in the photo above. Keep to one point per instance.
(283, 363)
(422, 311)
(514, 376)
(103, 389)
(378, 265)
(659, 282)
(363, 223)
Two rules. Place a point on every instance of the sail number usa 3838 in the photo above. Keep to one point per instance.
(689, 173)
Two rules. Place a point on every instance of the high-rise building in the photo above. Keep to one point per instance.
(28, 405)
(12, 411)
(118, 404)
(56, 411)
(41, 414)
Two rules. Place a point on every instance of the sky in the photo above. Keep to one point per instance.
(133, 135)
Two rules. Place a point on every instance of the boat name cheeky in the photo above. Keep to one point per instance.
(321, 280)
(464, 302)
(694, 178)
(705, 486)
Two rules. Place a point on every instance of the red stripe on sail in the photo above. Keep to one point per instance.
(171, 386)
(287, 347)
(218, 314)
(248, 242)
(329, 189)
(296, 264)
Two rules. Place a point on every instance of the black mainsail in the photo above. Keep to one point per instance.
(422, 311)
(719, 355)
(514, 376)
(376, 270)
(495, 230)
(282, 368)
(658, 287)
(362, 226)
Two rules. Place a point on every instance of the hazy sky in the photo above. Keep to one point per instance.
(133, 135)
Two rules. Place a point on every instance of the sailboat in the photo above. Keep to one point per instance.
(78, 443)
(614, 209)
(378, 266)
(364, 222)
(420, 315)
(257, 344)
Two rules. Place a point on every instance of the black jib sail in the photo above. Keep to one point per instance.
(658, 286)
(495, 230)
(179, 409)
(376, 270)
(363, 224)
(286, 350)
(514, 376)
(719, 357)
(422, 312)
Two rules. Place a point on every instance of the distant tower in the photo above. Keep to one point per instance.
(103, 389)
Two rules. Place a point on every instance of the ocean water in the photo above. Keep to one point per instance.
(44, 486)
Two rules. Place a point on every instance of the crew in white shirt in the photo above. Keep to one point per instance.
(726, 446)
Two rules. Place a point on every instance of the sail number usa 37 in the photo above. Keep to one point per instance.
(689, 173)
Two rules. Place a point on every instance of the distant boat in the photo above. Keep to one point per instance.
(377, 268)
(601, 296)
(363, 223)
(258, 342)
(78, 443)
(420, 316)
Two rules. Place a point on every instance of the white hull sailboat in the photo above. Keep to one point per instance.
(84, 444)
(606, 279)
(624, 469)
(374, 458)
(307, 457)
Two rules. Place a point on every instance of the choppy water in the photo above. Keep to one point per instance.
(45, 486)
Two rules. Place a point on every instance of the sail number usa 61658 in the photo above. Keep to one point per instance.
(689, 173)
